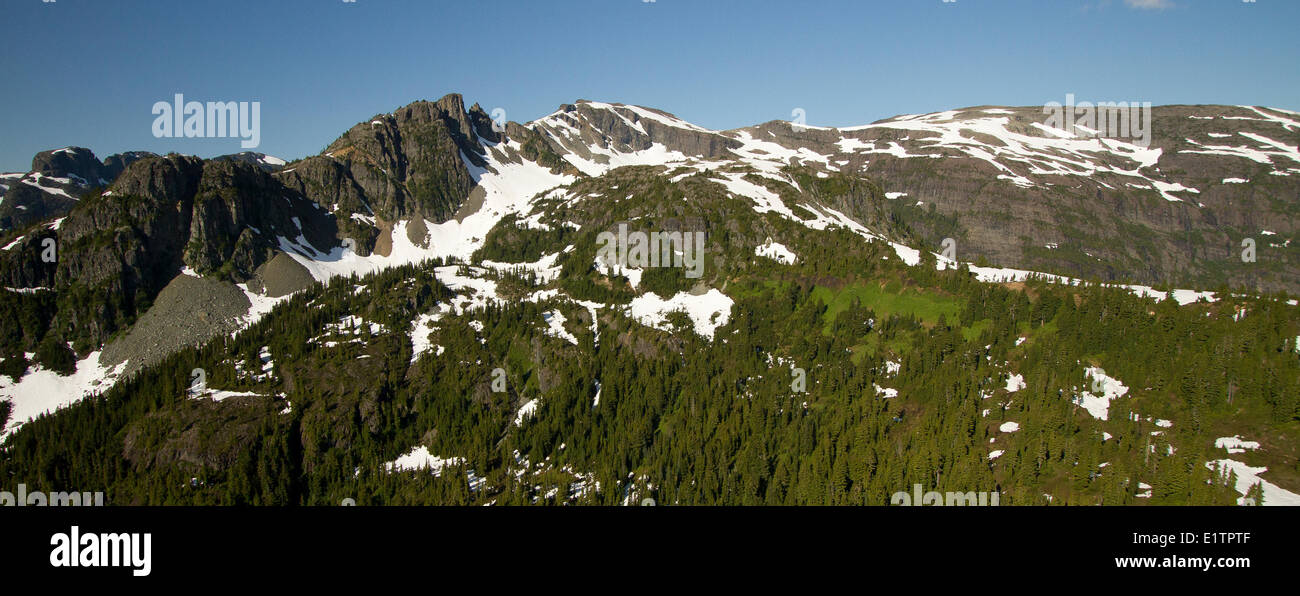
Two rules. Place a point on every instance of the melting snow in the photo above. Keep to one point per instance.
(555, 326)
(777, 252)
(420, 459)
(420, 331)
(221, 394)
(1110, 388)
(41, 391)
(525, 412)
(1248, 476)
(1235, 444)
(708, 311)
(633, 275)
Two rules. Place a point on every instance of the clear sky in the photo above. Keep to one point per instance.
(87, 72)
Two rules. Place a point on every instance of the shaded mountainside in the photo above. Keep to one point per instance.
(353, 308)
(56, 181)
(117, 249)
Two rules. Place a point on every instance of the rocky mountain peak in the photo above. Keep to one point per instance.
(595, 132)
(67, 162)
(261, 160)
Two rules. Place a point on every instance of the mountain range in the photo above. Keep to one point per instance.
(891, 238)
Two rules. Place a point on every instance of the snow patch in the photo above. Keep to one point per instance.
(1235, 444)
(555, 326)
(707, 311)
(42, 391)
(420, 459)
(420, 331)
(776, 251)
(525, 412)
(1108, 388)
(1248, 476)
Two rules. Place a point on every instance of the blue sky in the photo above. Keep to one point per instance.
(87, 72)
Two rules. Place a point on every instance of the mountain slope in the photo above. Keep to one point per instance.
(1019, 193)
(482, 251)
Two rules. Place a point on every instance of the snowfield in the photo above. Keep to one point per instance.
(509, 190)
(1015, 155)
(1248, 476)
(708, 311)
(42, 391)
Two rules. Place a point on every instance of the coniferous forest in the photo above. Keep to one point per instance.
(840, 380)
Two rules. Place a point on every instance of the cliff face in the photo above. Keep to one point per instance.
(239, 214)
(1175, 212)
(116, 250)
(400, 164)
